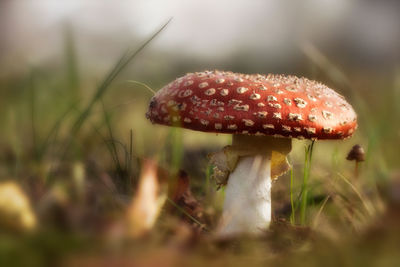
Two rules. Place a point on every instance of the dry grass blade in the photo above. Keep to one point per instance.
(144, 85)
(316, 220)
(183, 211)
(323, 62)
(367, 205)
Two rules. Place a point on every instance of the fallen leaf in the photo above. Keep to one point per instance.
(147, 203)
(15, 209)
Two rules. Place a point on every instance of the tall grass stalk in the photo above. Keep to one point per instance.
(304, 188)
(176, 149)
(293, 213)
(369, 120)
(52, 134)
(129, 160)
(208, 186)
(367, 205)
(125, 59)
(32, 109)
(73, 81)
(123, 170)
(71, 59)
(113, 147)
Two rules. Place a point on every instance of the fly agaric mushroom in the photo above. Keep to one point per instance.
(262, 113)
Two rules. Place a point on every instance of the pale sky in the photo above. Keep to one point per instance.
(207, 28)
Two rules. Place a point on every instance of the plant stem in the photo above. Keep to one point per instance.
(175, 136)
(306, 175)
(293, 214)
(356, 170)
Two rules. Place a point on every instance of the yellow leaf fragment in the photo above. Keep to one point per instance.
(15, 209)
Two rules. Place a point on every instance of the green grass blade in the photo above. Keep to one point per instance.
(71, 60)
(177, 149)
(111, 136)
(293, 213)
(121, 64)
(32, 109)
(306, 176)
(54, 130)
(303, 201)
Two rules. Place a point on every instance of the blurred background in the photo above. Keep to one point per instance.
(74, 139)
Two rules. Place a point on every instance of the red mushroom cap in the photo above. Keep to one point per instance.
(227, 102)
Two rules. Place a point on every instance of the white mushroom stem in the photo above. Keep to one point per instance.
(251, 162)
(247, 206)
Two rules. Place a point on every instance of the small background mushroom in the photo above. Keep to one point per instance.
(356, 154)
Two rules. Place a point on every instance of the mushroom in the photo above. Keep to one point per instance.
(263, 113)
(358, 155)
